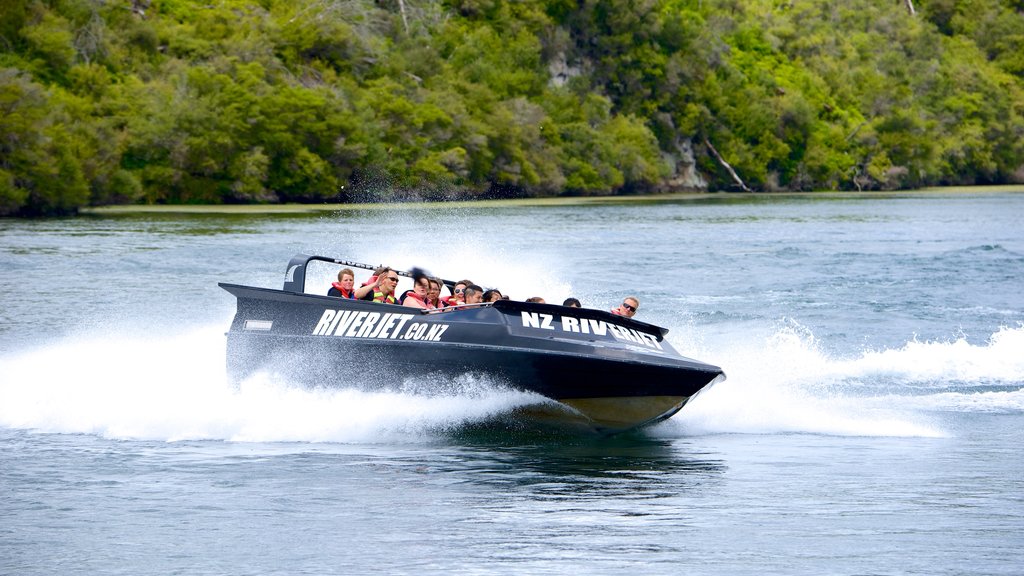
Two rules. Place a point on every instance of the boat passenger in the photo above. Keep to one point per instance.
(373, 277)
(492, 295)
(382, 289)
(628, 308)
(572, 303)
(434, 294)
(417, 297)
(343, 287)
(474, 294)
(536, 300)
(458, 295)
(418, 277)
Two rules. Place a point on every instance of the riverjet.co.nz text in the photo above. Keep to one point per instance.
(589, 326)
(353, 324)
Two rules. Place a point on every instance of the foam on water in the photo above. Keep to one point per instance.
(788, 384)
(174, 387)
(490, 264)
(1001, 360)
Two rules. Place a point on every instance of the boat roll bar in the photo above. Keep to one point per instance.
(295, 275)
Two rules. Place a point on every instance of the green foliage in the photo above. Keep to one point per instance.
(508, 64)
(39, 160)
(603, 153)
(12, 196)
(49, 38)
(174, 101)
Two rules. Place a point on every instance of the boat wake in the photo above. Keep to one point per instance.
(788, 384)
(174, 387)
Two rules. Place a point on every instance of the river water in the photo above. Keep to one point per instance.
(872, 420)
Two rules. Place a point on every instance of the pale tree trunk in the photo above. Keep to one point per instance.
(726, 165)
(910, 7)
(401, 8)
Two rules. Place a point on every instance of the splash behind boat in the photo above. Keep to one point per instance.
(606, 372)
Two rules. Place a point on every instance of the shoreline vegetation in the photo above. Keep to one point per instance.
(238, 102)
(127, 209)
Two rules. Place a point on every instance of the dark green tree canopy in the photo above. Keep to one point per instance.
(174, 101)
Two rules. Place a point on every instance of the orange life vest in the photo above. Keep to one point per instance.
(337, 286)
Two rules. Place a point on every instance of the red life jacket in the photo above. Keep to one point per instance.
(449, 301)
(416, 297)
(337, 286)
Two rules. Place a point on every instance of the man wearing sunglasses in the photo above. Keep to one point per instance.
(382, 289)
(628, 307)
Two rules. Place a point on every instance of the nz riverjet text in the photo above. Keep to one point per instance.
(588, 326)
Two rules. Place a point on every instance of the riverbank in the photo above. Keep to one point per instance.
(525, 202)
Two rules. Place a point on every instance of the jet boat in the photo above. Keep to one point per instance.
(588, 367)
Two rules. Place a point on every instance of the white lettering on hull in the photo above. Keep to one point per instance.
(536, 320)
(352, 324)
(589, 326)
(324, 324)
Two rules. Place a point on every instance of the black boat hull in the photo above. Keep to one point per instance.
(606, 372)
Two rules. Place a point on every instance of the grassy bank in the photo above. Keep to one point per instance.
(532, 202)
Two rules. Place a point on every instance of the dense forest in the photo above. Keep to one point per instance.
(254, 101)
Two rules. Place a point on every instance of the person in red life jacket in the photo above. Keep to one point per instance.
(628, 308)
(381, 289)
(343, 288)
(458, 295)
(417, 297)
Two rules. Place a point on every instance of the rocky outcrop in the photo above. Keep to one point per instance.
(685, 176)
(560, 70)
